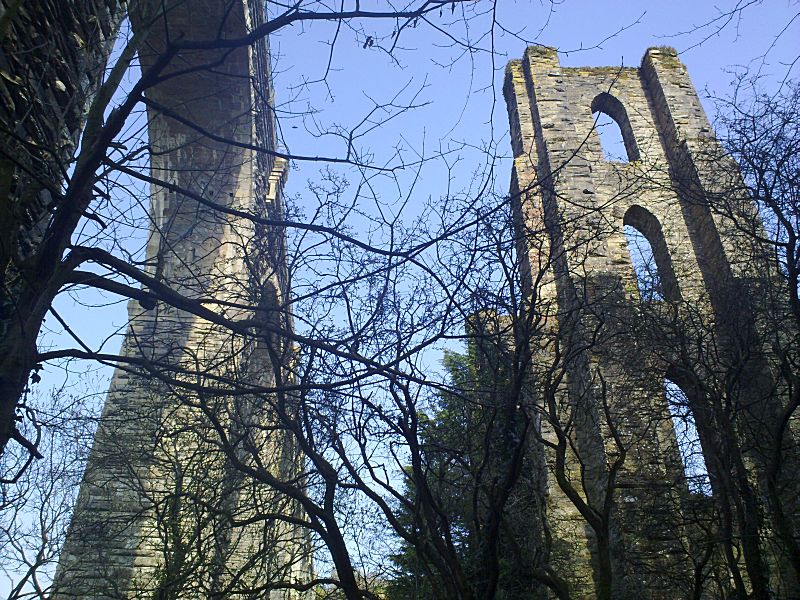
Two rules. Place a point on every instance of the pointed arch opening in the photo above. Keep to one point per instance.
(614, 129)
(688, 438)
(652, 264)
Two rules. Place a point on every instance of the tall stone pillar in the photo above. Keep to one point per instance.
(163, 510)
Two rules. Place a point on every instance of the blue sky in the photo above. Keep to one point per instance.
(460, 89)
(460, 113)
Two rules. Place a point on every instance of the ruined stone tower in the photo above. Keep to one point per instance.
(163, 511)
(618, 506)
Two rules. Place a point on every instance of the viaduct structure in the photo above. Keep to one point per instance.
(617, 505)
(162, 511)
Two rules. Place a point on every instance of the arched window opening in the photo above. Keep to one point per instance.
(610, 137)
(650, 258)
(644, 265)
(691, 451)
(614, 129)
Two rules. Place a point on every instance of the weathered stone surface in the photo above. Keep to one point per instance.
(571, 205)
(156, 511)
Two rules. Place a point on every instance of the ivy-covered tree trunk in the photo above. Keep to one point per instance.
(48, 77)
